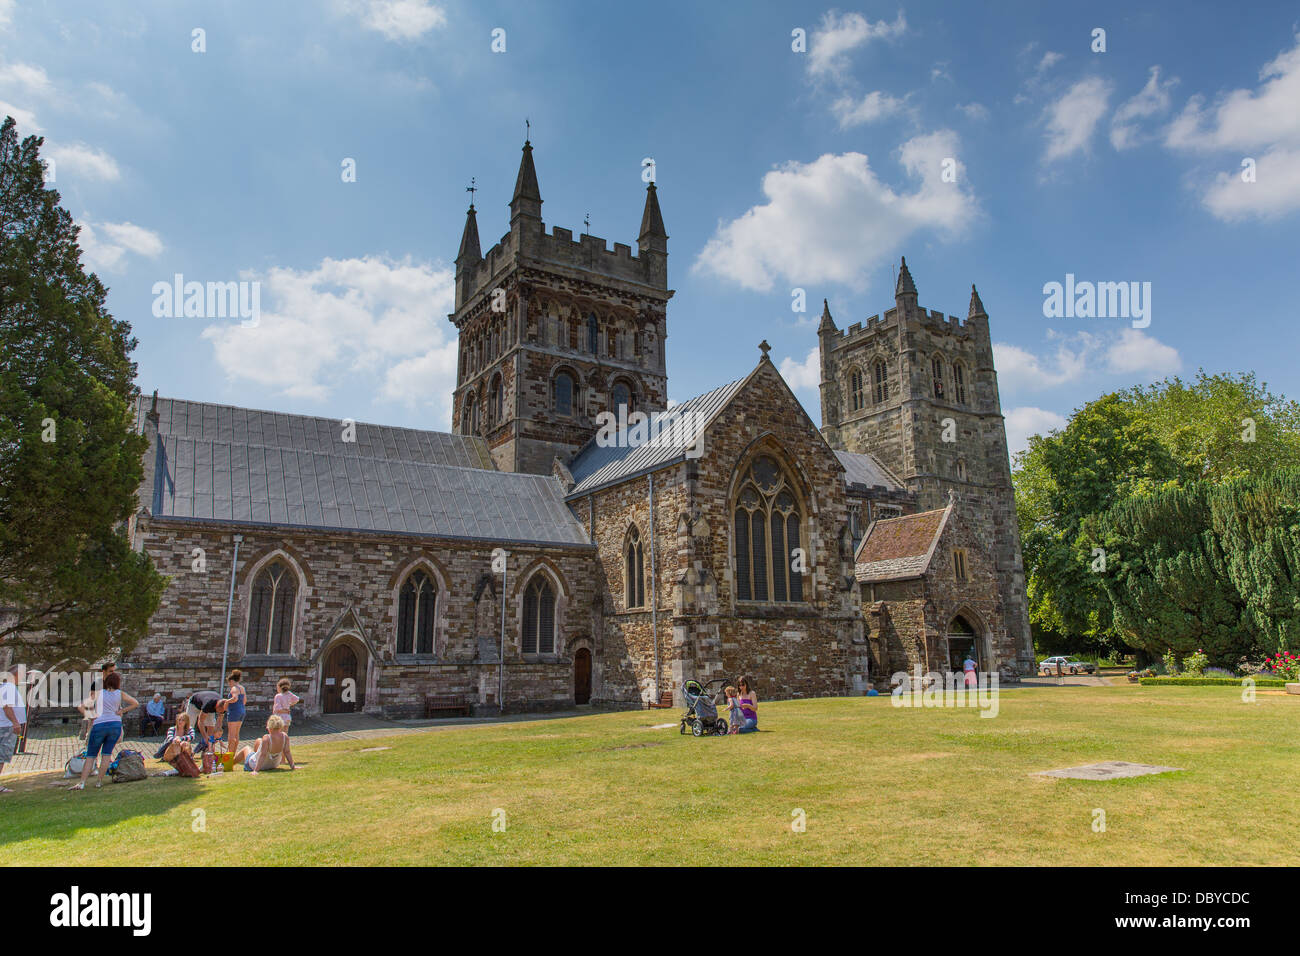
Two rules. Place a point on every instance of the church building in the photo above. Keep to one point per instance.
(574, 540)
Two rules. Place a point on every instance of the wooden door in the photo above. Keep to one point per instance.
(342, 687)
(582, 676)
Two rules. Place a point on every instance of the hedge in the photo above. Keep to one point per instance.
(1210, 681)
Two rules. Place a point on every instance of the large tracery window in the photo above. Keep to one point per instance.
(634, 570)
(767, 523)
(539, 617)
(855, 389)
(416, 603)
(270, 620)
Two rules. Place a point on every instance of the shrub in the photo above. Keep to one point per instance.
(1170, 662)
(1219, 672)
(1209, 681)
(1284, 664)
(1194, 664)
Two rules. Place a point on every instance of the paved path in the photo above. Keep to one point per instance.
(50, 745)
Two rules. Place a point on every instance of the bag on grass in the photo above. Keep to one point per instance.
(185, 765)
(128, 766)
(73, 767)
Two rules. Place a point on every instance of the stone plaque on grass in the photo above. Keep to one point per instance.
(1108, 770)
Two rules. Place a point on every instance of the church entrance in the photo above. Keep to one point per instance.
(582, 676)
(343, 680)
(961, 643)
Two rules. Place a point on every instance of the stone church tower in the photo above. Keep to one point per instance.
(553, 331)
(919, 391)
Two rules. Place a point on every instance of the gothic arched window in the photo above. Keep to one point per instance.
(562, 394)
(416, 602)
(593, 334)
(469, 418)
(855, 390)
(634, 570)
(622, 397)
(882, 383)
(767, 532)
(270, 619)
(936, 372)
(494, 402)
(959, 383)
(539, 617)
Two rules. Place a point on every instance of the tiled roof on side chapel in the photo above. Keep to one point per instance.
(383, 568)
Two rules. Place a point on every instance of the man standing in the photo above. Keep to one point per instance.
(9, 723)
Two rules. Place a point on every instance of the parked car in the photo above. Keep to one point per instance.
(1068, 666)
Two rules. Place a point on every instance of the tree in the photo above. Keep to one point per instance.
(1257, 522)
(70, 460)
(1167, 580)
(1106, 453)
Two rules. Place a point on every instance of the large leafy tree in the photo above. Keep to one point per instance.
(1105, 454)
(1257, 523)
(70, 461)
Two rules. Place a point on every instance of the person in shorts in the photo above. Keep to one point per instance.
(205, 708)
(105, 709)
(10, 725)
(284, 701)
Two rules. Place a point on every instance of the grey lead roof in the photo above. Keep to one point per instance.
(239, 466)
(867, 471)
(672, 432)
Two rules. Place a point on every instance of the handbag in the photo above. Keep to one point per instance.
(185, 765)
(74, 765)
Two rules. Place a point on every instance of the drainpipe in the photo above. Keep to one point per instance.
(230, 606)
(501, 665)
(654, 586)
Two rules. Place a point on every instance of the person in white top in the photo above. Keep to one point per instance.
(10, 722)
(105, 709)
(267, 753)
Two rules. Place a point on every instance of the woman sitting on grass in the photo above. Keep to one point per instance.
(268, 751)
(748, 706)
(179, 738)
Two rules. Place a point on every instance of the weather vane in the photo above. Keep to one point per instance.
(586, 222)
(528, 130)
(472, 188)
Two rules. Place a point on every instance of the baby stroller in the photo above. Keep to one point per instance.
(701, 708)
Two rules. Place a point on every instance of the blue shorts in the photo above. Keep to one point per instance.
(103, 738)
(235, 713)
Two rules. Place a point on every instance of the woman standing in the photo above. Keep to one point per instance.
(234, 710)
(105, 710)
(748, 705)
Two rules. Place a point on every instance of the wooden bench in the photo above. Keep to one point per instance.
(168, 718)
(665, 701)
(435, 704)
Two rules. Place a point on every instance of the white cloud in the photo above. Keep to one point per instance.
(1049, 60)
(30, 79)
(397, 19)
(974, 111)
(841, 33)
(1073, 118)
(1136, 352)
(83, 160)
(806, 374)
(1126, 352)
(854, 112)
(1026, 421)
(6, 12)
(105, 245)
(1151, 100)
(833, 220)
(26, 119)
(1264, 121)
(370, 318)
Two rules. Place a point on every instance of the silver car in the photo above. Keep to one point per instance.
(1067, 666)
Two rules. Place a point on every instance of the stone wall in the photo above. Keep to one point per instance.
(347, 592)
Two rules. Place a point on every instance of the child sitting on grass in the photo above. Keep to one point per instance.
(735, 716)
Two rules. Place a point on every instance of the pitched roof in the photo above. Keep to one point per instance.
(672, 432)
(894, 549)
(866, 471)
(238, 466)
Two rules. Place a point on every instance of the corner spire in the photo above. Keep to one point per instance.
(976, 306)
(905, 284)
(827, 323)
(526, 190)
(469, 245)
(652, 220)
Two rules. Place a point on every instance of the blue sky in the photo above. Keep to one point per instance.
(777, 170)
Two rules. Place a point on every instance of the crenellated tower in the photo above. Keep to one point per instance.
(919, 390)
(553, 331)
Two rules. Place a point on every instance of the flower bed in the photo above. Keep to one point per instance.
(1210, 681)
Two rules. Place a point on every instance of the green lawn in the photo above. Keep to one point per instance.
(878, 784)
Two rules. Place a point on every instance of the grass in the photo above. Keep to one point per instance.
(878, 784)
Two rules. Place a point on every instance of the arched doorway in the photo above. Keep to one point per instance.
(582, 676)
(343, 680)
(962, 641)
